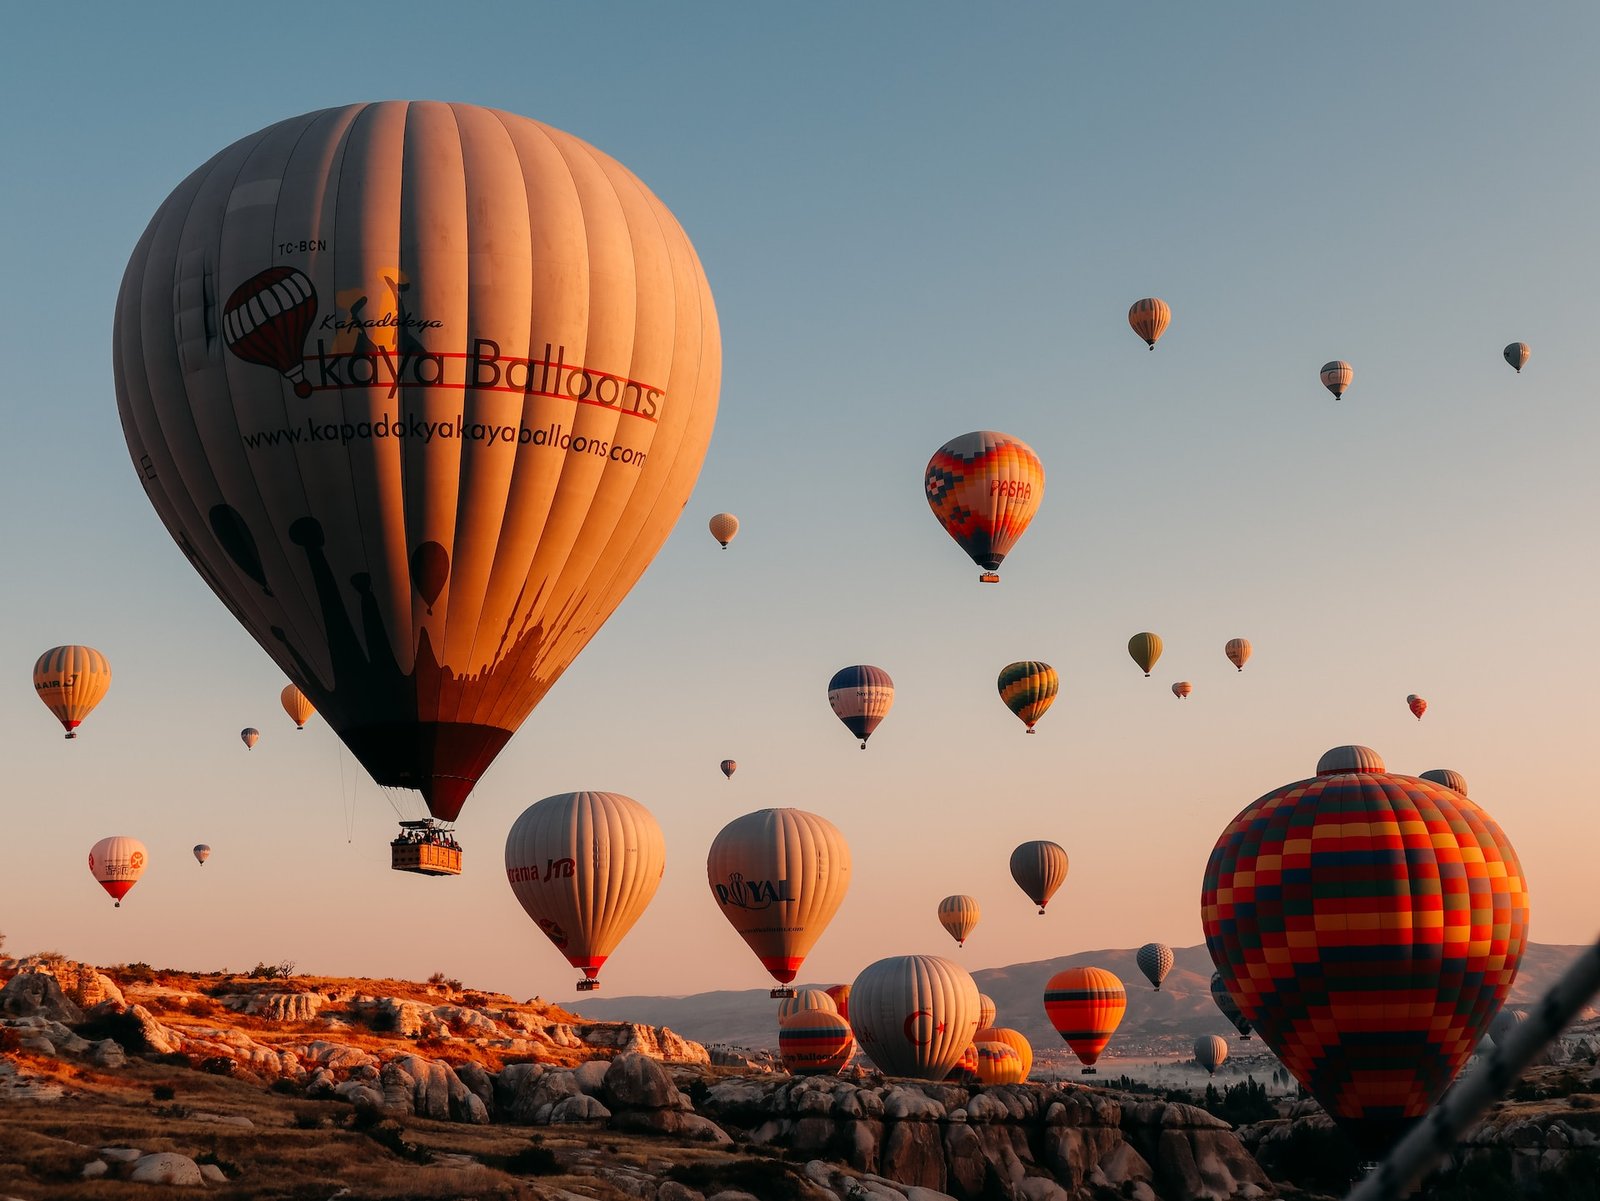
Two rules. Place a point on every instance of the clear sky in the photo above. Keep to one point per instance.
(918, 220)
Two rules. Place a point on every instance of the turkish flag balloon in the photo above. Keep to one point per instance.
(419, 389)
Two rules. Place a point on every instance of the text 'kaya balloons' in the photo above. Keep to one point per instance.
(779, 876)
(1369, 926)
(985, 487)
(1028, 688)
(914, 1015)
(117, 863)
(419, 389)
(585, 865)
(71, 681)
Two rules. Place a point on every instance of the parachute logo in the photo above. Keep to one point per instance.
(753, 894)
(266, 321)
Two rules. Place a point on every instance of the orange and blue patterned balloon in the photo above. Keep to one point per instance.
(815, 1042)
(1028, 688)
(1085, 1005)
(985, 487)
(1369, 926)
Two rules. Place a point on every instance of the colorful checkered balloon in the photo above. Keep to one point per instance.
(985, 487)
(1369, 926)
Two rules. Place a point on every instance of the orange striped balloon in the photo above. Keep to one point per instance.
(1182, 689)
(1014, 1039)
(1085, 1005)
(1028, 688)
(815, 1042)
(1336, 377)
(999, 1063)
(297, 705)
(965, 1070)
(1417, 705)
(805, 999)
(71, 681)
(1238, 651)
(1149, 318)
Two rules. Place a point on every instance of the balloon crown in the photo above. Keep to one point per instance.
(1343, 759)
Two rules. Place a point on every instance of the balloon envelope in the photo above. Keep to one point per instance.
(1452, 780)
(71, 681)
(841, 998)
(999, 1063)
(117, 863)
(729, 767)
(584, 866)
(1376, 975)
(1211, 1052)
(1149, 318)
(419, 389)
(1238, 651)
(1012, 1038)
(296, 704)
(723, 527)
(984, 488)
(1145, 649)
(861, 697)
(804, 999)
(958, 915)
(1336, 377)
(1182, 689)
(1230, 1009)
(1417, 705)
(1517, 355)
(815, 1042)
(1155, 961)
(1039, 868)
(779, 876)
(202, 853)
(986, 1011)
(914, 1014)
(1028, 688)
(250, 736)
(1085, 1005)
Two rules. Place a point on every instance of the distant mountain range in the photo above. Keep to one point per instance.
(1156, 1023)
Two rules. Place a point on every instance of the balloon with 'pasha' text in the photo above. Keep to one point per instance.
(584, 866)
(70, 681)
(1369, 925)
(1238, 651)
(815, 1042)
(958, 915)
(984, 488)
(419, 389)
(914, 1015)
(1028, 688)
(861, 697)
(297, 705)
(117, 863)
(1085, 1005)
(1039, 868)
(779, 876)
(1144, 649)
(1149, 318)
(1155, 960)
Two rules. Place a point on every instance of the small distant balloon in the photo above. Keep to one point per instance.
(729, 767)
(1211, 1052)
(250, 736)
(1238, 651)
(1155, 961)
(1517, 355)
(861, 697)
(297, 706)
(1145, 649)
(1039, 868)
(117, 863)
(70, 681)
(1182, 689)
(1028, 688)
(1336, 377)
(1417, 705)
(1452, 780)
(1149, 318)
(723, 527)
(958, 915)
(202, 853)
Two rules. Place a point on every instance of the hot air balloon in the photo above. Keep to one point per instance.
(1182, 689)
(419, 389)
(1505, 1023)
(804, 999)
(1417, 705)
(985, 487)
(861, 697)
(965, 1069)
(118, 862)
(1336, 377)
(723, 527)
(584, 865)
(1155, 961)
(297, 706)
(202, 853)
(1238, 652)
(729, 767)
(986, 1011)
(1211, 1052)
(1013, 1039)
(1085, 1005)
(815, 1042)
(841, 998)
(958, 915)
(71, 681)
(1145, 649)
(779, 876)
(1039, 868)
(1230, 1010)
(249, 736)
(1452, 780)
(999, 1063)
(1149, 318)
(914, 1015)
(1028, 688)
(1376, 974)
(1517, 355)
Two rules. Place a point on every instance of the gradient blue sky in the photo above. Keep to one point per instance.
(918, 220)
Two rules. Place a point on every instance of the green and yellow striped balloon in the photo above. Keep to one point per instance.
(1029, 688)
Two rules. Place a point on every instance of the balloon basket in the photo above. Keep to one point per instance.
(1088, 1072)
(989, 577)
(778, 993)
(425, 850)
(588, 985)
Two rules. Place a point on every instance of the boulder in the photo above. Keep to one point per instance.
(107, 1053)
(166, 1167)
(35, 992)
(579, 1108)
(94, 1169)
(674, 1122)
(638, 1081)
(590, 1076)
(213, 1174)
(913, 1153)
(278, 1006)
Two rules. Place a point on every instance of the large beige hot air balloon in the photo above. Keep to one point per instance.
(117, 863)
(723, 527)
(958, 915)
(71, 681)
(914, 1015)
(419, 389)
(1149, 318)
(584, 865)
(779, 876)
(1039, 868)
(296, 704)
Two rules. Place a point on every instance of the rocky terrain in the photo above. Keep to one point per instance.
(133, 1082)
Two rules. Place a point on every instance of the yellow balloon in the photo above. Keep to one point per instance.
(295, 704)
(1145, 649)
(71, 681)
